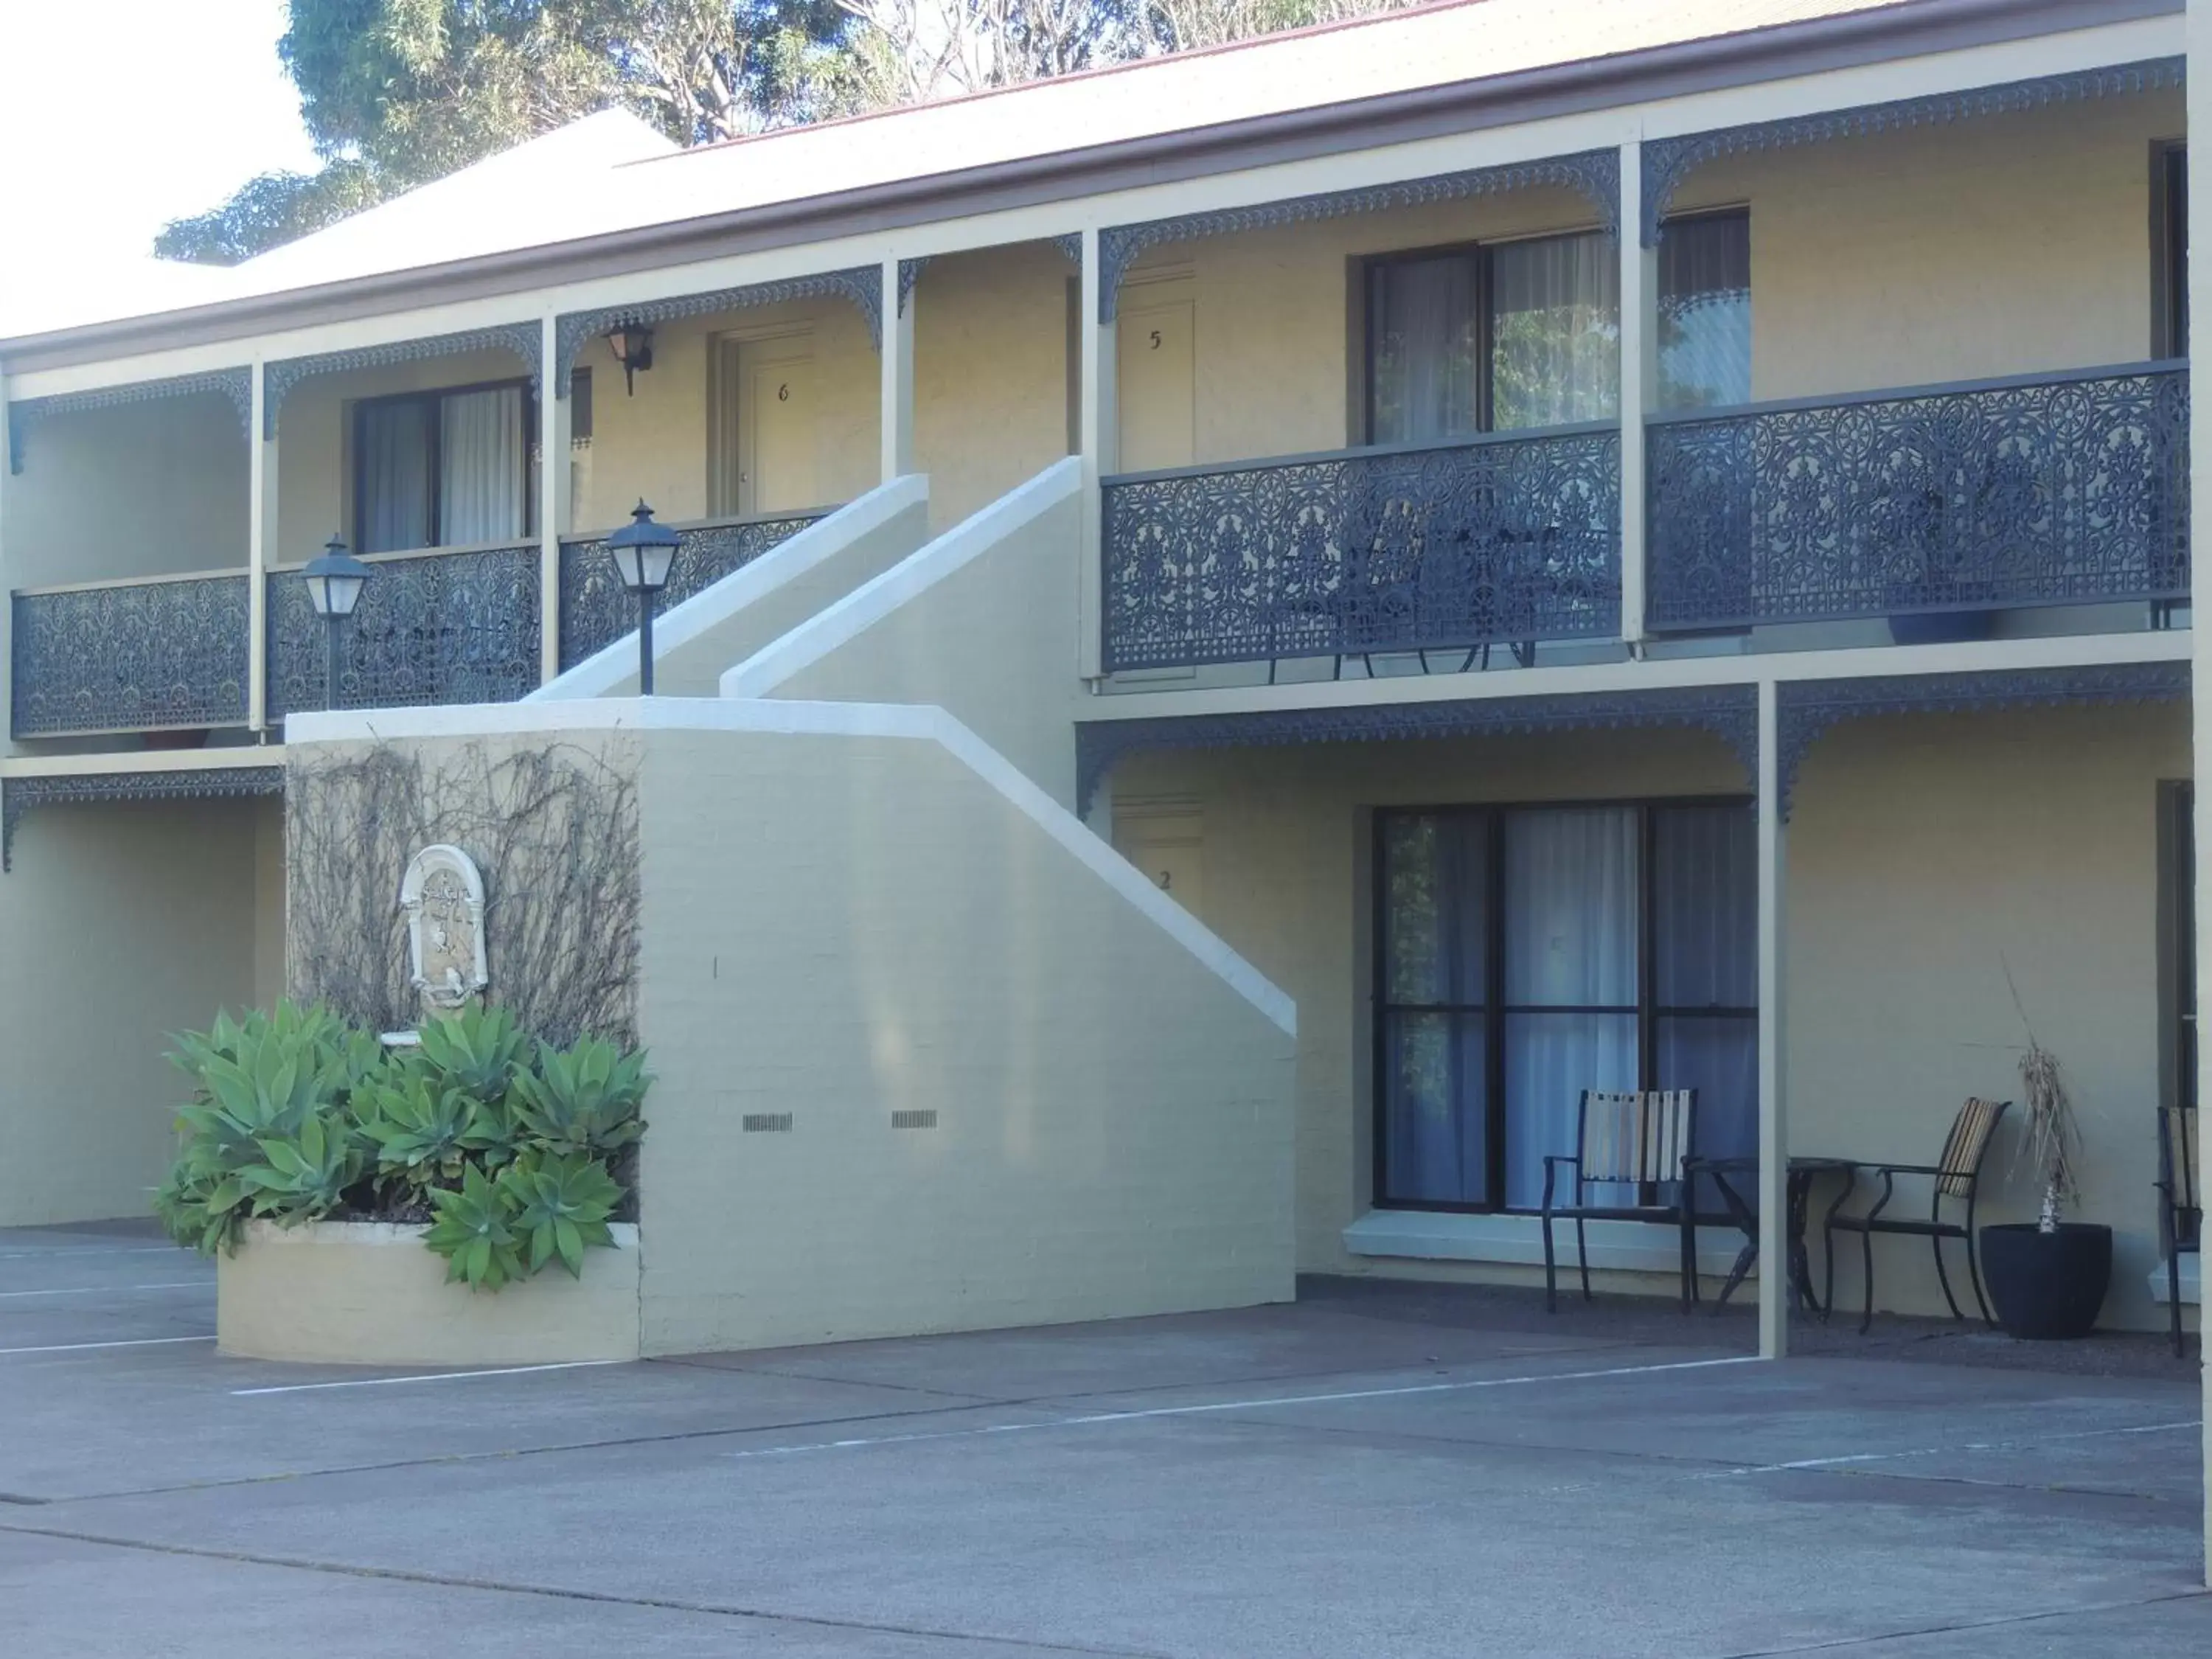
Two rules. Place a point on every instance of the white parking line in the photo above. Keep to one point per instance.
(133, 1342)
(1094, 1417)
(111, 1290)
(71, 1252)
(434, 1376)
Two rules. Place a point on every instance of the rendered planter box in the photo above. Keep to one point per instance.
(355, 1292)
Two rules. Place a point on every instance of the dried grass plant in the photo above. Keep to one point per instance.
(2050, 1131)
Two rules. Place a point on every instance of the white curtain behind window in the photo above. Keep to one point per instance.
(394, 482)
(1422, 352)
(1555, 331)
(1570, 926)
(1704, 313)
(481, 477)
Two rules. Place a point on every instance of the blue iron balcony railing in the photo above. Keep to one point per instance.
(1509, 539)
(595, 609)
(446, 626)
(168, 653)
(2051, 489)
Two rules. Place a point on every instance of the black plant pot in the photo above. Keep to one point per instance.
(2047, 1286)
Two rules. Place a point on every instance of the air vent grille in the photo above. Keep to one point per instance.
(760, 1123)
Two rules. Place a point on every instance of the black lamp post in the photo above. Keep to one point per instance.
(334, 581)
(644, 554)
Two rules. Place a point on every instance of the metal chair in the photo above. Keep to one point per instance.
(1637, 1138)
(1957, 1174)
(2181, 1206)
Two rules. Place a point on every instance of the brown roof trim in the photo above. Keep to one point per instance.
(1908, 28)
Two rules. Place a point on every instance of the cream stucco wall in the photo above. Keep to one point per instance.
(840, 928)
(119, 925)
(143, 489)
(1926, 857)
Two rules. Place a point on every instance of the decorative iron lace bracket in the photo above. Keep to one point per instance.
(909, 274)
(862, 284)
(18, 795)
(520, 338)
(1807, 709)
(1595, 173)
(235, 384)
(1667, 162)
(1728, 712)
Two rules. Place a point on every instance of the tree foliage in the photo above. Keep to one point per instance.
(398, 92)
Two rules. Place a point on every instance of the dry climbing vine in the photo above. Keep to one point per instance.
(553, 828)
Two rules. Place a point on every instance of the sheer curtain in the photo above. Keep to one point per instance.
(394, 477)
(1705, 969)
(1435, 926)
(1555, 331)
(481, 478)
(1704, 313)
(1422, 353)
(1570, 945)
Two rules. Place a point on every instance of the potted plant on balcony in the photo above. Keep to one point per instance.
(1932, 598)
(2048, 1277)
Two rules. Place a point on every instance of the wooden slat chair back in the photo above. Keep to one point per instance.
(1963, 1148)
(1635, 1139)
(2181, 1204)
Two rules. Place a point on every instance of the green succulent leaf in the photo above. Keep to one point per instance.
(476, 1050)
(561, 1205)
(475, 1233)
(582, 1099)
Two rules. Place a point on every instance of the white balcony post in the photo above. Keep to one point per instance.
(555, 502)
(1639, 379)
(1773, 1114)
(7, 583)
(2200, 470)
(262, 547)
(898, 377)
(1100, 433)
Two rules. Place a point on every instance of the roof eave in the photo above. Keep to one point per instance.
(1910, 27)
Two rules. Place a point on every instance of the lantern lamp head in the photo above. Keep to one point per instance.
(335, 579)
(644, 552)
(632, 344)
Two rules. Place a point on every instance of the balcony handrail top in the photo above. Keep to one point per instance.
(239, 571)
(1912, 393)
(584, 538)
(405, 554)
(1364, 452)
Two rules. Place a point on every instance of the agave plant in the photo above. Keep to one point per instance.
(422, 1131)
(584, 1101)
(561, 1205)
(476, 1050)
(475, 1231)
(303, 1177)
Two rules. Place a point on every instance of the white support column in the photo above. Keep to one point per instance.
(1100, 431)
(1639, 381)
(262, 549)
(2199, 530)
(554, 496)
(898, 377)
(1773, 1114)
(7, 583)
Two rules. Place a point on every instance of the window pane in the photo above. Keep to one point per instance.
(1435, 1147)
(1435, 901)
(1717, 1056)
(480, 435)
(1555, 331)
(1705, 312)
(393, 476)
(1550, 1059)
(1704, 907)
(1571, 908)
(1423, 350)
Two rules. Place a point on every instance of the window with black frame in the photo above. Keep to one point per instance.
(1704, 311)
(442, 469)
(1527, 953)
(1492, 337)
(2170, 251)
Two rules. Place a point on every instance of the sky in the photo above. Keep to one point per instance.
(196, 103)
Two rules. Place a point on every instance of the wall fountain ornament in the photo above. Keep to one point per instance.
(443, 895)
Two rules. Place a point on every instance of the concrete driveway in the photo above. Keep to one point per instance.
(1362, 1473)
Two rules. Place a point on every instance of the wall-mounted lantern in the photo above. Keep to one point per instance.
(632, 344)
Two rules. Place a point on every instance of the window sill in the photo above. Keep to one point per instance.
(1448, 1236)
(2192, 1281)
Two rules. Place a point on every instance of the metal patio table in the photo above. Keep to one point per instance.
(1803, 1172)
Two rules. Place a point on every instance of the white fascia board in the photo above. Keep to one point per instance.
(839, 623)
(603, 670)
(786, 717)
(2056, 651)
